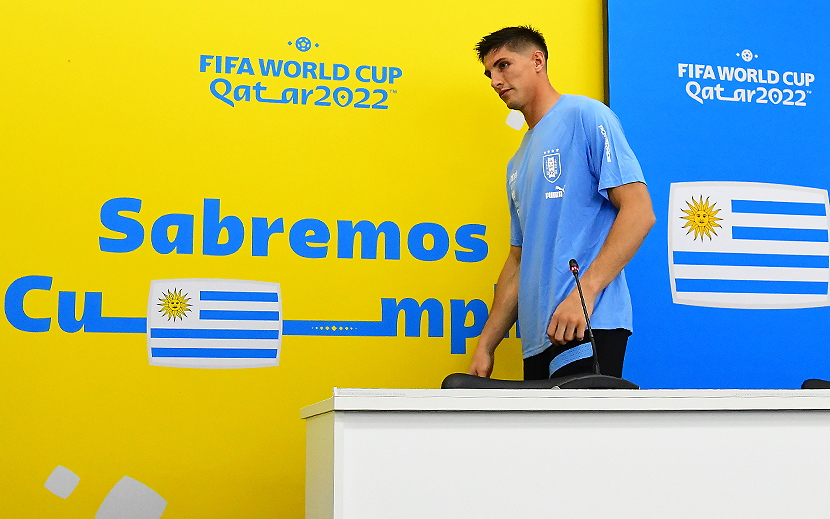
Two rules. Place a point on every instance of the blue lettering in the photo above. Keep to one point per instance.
(426, 241)
(222, 96)
(323, 71)
(242, 93)
(465, 237)
(66, 311)
(375, 78)
(343, 96)
(96, 324)
(230, 63)
(459, 331)
(218, 64)
(290, 95)
(13, 304)
(346, 233)
(308, 231)
(112, 220)
(270, 67)
(92, 321)
(182, 243)
(245, 67)
(258, 90)
(305, 94)
(359, 73)
(296, 71)
(212, 227)
(394, 73)
(440, 246)
(309, 69)
(204, 62)
(340, 72)
(326, 94)
(413, 314)
(261, 233)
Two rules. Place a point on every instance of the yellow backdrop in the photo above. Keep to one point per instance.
(108, 100)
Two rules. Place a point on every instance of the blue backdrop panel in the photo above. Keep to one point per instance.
(725, 105)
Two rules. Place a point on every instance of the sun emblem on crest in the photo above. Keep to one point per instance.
(701, 218)
(174, 305)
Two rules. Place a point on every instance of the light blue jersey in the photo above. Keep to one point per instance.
(557, 188)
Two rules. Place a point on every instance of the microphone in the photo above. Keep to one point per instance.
(575, 271)
(578, 381)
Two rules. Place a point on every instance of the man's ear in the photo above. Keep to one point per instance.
(539, 60)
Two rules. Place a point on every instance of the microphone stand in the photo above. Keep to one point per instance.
(575, 271)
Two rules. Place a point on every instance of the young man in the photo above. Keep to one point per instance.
(575, 190)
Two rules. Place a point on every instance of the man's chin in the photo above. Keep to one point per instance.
(513, 105)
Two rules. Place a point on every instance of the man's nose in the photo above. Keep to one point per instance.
(495, 81)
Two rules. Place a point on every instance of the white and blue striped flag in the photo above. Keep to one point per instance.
(748, 245)
(214, 323)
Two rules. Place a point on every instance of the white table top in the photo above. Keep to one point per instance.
(511, 400)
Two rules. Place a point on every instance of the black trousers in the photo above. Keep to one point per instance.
(610, 352)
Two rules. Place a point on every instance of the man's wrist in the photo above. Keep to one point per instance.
(487, 345)
(590, 288)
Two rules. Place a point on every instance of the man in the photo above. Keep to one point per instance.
(575, 190)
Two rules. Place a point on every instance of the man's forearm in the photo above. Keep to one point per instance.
(505, 308)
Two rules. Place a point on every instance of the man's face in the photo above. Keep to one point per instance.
(513, 75)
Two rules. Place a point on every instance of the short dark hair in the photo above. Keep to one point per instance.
(515, 39)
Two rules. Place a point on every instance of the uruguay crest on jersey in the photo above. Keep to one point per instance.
(551, 165)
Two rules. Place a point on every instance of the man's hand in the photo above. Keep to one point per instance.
(482, 363)
(568, 321)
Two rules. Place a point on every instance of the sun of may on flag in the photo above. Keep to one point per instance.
(214, 323)
(748, 245)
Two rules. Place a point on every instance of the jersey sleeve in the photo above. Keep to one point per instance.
(516, 236)
(609, 156)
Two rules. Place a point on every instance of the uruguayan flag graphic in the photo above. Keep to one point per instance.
(748, 245)
(214, 323)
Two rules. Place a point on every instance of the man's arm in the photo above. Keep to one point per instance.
(634, 220)
(502, 316)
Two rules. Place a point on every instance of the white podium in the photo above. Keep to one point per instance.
(481, 453)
